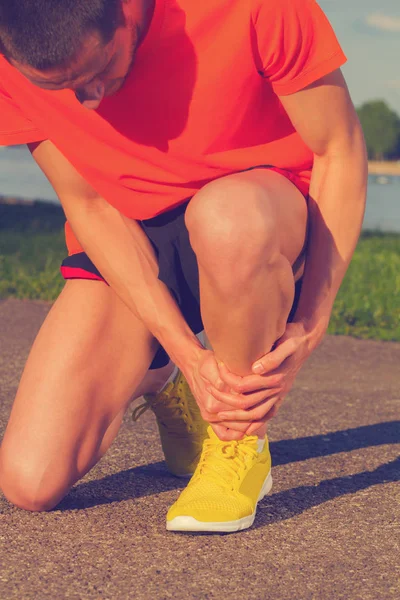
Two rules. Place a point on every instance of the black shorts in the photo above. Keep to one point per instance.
(177, 269)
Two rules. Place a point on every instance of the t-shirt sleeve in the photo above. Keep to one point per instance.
(15, 128)
(295, 44)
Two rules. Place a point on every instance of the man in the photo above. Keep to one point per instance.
(221, 138)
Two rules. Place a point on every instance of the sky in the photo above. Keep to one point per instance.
(369, 33)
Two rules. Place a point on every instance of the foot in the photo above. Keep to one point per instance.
(229, 481)
(181, 426)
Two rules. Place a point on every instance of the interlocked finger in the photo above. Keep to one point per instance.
(242, 427)
(225, 434)
(250, 383)
(257, 424)
(254, 414)
(244, 401)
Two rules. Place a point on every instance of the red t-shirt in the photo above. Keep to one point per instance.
(201, 101)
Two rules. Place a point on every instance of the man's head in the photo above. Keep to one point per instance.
(84, 45)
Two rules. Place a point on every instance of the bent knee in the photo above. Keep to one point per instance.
(232, 229)
(26, 485)
(234, 218)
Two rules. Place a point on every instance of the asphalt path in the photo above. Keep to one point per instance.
(329, 529)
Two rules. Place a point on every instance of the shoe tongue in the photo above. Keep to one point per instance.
(223, 455)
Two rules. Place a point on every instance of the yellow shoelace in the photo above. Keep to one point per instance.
(224, 461)
(170, 411)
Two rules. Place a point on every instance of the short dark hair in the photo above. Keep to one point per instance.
(49, 33)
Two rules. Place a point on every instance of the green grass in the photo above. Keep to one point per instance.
(30, 264)
(367, 306)
(368, 303)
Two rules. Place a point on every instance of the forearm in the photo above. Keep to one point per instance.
(336, 210)
(126, 260)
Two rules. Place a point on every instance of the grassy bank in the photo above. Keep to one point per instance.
(368, 304)
(31, 249)
(30, 264)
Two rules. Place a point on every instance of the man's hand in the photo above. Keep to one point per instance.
(205, 381)
(256, 398)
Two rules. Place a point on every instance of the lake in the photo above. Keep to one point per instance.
(21, 177)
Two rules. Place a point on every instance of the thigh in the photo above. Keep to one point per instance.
(88, 358)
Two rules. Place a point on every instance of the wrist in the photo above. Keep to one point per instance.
(314, 330)
(184, 352)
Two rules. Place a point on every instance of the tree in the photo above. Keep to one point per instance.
(381, 127)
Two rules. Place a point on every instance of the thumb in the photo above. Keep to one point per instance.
(273, 360)
(209, 372)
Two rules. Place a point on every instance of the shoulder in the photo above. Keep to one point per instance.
(277, 10)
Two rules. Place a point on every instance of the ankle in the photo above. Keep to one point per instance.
(262, 432)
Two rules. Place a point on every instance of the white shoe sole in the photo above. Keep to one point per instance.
(191, 524)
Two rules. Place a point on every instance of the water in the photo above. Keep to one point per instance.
(383, 205)
(21, 177)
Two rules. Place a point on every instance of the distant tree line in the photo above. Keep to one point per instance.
(381, 127)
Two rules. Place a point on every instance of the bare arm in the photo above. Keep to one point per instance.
(324, 116)
(122, 252)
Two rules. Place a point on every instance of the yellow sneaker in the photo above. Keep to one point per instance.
(222, 495)
(181, 426)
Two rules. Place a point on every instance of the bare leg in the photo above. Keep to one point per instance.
(153, 381)
(247, 231)
(89, 357)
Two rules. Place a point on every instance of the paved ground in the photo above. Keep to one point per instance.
(327, 531)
